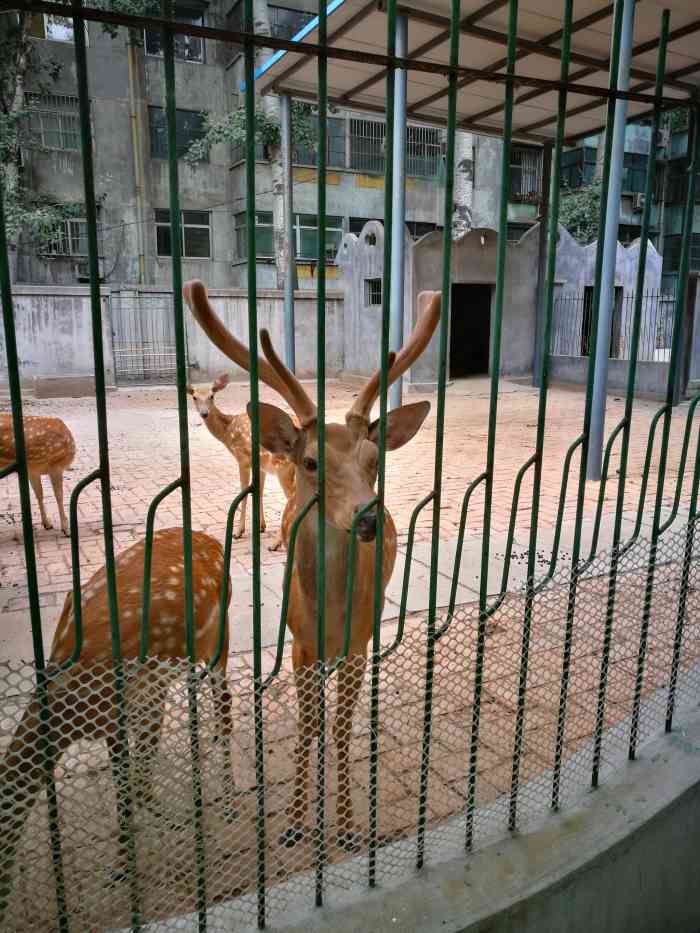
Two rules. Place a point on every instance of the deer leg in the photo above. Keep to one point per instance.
(285, 475)
(350, 677)
(308, 684)
(244, 473)
(56, 477)
(35, 480)
(222, 704)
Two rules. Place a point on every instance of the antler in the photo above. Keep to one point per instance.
(274, 374)
(429, 305)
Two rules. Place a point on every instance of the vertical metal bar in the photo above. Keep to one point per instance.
(32, 592)
(495, 369)
(584, 438)
(180, 356)
(606, 292)
(684, 590)
(666, 429)
(542, 262)
(543, 382)
(321, 405)
(381, 465)
(398, 219)
(249, 66)
(639, 303)
(290, 282)
(124, 802)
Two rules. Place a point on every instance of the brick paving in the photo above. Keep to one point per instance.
(144, 450)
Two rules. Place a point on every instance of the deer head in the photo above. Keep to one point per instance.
(203, 400)
(351, 450)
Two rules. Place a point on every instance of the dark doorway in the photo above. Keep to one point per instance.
(470, 330)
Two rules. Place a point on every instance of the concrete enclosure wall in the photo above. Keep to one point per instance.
(54, 333)
(54, 330)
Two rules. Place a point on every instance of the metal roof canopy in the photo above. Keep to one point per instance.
(359, 26)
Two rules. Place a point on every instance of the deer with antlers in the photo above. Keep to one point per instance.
(234, 433)
(82, 697)
(50, 450)
(351, 457)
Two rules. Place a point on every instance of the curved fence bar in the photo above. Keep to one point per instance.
(458, 555)
(281, 632)
(147, 560)
(681, 466)
(614, 434)
(75, 564)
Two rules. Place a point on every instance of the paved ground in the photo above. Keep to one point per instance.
(144, 457)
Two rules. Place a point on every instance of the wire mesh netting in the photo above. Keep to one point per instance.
(80, 715)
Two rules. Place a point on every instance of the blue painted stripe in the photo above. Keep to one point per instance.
(302, 34)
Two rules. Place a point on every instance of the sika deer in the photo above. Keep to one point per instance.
(234, 433)
(351, 472)
(50, 449)
(82, 698)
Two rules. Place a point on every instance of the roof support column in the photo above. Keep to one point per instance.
(541, 308)
(290, 281)
(612, 217)
(398, 225)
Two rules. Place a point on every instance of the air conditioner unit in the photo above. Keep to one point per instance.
(637, 202)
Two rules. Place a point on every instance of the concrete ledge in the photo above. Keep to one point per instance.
(622, 861)
(63, 386)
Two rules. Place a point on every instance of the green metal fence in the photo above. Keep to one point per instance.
(471, 720)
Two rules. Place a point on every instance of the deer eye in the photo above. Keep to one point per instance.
(310, 464)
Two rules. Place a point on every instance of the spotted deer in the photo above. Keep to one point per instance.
(82, 698)
(234, 433)
(50, 450)
(351, 456)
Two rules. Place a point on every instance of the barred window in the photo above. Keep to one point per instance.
(189, 127)
(373, 293)
(54, 120)
(335, 145)
(187, 48)
(578, 167)
(286, 23)
(367, 145)
(52, 27)
(196, 234)
(423, 151)
(71, 239)
(525, 174)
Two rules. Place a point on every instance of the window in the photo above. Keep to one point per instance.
(423, 151)
(234, 22)
(187, 48)
(306, 232)
(515, 231)
(71, 239)
(367, 145)
(264, 239)
(50, 26)
(286, 23)
(54, 121)
(635, 172)
(189, 127)
(335, 145)
(677, 182)
(578, 167)
(373, 293)
(196, 234)
(672, 253)
(417, 229)
(525, 174)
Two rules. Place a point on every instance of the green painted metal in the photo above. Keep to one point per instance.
(249, 103)
(684, 265)
(147, 560)
(291, 548)
(75, 566)
(681, 466)
(552, 238)
(181, 371)
(471, 488)
(494, 368)
(439, 428)
(124, 796)
(618, 550)
(32, 582)
(225, 574)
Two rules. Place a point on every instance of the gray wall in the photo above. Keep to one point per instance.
(54, 333)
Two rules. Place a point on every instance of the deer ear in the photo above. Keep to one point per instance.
(190, 389)
(278, 433)
(402, 424)
(220, 382)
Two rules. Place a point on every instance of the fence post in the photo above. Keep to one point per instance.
(612, 219)
(290, 282)
(398, 220)
(540, 309)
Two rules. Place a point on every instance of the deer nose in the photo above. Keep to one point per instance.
(367, 525)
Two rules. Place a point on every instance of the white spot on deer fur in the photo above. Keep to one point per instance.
(170, 595)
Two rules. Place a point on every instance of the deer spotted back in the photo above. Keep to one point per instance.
(49, 443)
(167, 603)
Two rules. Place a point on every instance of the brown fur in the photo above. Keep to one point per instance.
(50, 450)
(233, 431)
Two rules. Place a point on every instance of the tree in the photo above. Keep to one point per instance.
(231, 129)
(579, 211)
